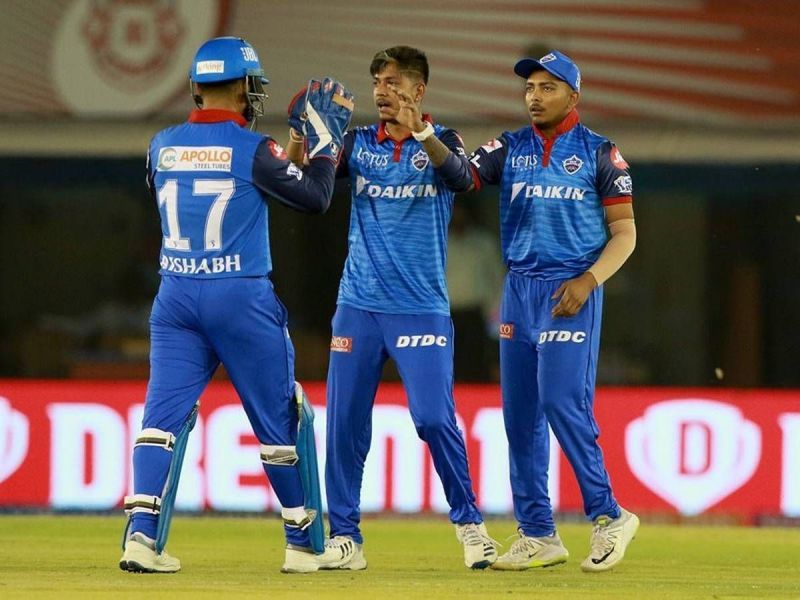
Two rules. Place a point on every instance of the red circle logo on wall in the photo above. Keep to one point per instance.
(129, 57)
(133, 39)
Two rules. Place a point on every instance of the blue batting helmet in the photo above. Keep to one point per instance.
(225, 59)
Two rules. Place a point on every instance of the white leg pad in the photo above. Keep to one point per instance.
(143, 503)
(282, 456)
(298, 516)
(155, 437)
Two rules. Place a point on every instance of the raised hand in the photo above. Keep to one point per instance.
(297, 110)
(328, 107)
(408, 115)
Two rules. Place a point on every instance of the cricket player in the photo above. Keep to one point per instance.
(210, 178)
(566, 227)
(393, 300)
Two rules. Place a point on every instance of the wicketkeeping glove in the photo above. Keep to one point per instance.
(328, 108)
(297, 110)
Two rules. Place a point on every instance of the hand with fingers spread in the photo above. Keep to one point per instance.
(409, 114)
(572, 295)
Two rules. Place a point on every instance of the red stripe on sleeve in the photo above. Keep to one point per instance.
(617, 200)
(476, 179)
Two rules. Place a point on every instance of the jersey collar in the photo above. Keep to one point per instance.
(383, 135)
(568, 123)
(215, 115)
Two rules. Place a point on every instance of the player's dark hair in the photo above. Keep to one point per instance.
(405, 57)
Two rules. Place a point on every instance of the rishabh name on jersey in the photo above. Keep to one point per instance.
(553, 224)
(398, 228)
(213, 220)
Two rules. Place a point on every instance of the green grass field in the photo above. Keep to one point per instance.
(76, 556)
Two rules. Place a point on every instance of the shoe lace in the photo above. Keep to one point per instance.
(337, 541)
(524, 545)
(604, 537)
(471, 535)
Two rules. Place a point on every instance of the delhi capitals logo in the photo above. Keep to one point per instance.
(572, 164)
(420, 160)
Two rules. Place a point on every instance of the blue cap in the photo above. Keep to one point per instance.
(225, 59)
(555, 63)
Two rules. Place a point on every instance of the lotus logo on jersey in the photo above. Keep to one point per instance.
(562, 192)
(524, 162)
(416, 341)
(14, 434)
(506, 331)
(397, 192)
(341, 344)
(371, 160)
(693, 452)
(624, 184)
(572, 164)
(555, 335)
(420, 160)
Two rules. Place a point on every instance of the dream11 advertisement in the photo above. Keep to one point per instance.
(680, 451)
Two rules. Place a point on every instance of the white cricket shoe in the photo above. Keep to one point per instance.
(300, 559)
(532, 553)
(140, 557)
(610, 538)
(343, 552)
(480, 550)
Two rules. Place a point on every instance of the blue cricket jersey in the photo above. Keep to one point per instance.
(552, 196)
(401, 208)
(210, 177)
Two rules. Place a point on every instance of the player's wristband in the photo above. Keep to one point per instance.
(424, 134)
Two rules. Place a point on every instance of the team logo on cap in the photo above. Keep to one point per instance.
(547, 58)
(420, 160)
(572, 164)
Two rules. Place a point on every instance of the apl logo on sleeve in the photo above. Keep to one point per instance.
(195, 158)
(693, 453)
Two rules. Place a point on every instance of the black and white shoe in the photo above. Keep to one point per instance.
(480, 550)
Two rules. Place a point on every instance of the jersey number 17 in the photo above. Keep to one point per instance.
(168, 197)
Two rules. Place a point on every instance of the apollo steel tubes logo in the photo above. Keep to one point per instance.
(129, 57)
(14, 435)
(693, 452)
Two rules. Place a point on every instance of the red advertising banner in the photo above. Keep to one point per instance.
(67, 445)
